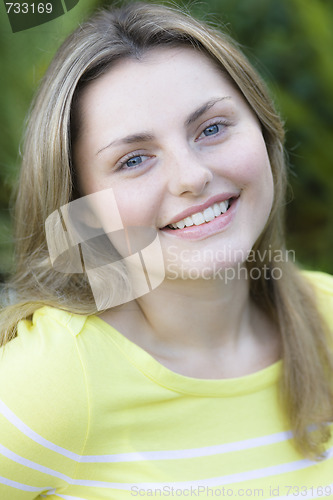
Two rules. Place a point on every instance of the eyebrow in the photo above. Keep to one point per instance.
(205, 107)
(147, 137)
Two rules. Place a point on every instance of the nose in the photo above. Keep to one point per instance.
(187, 173)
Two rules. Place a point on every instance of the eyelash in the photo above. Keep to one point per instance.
(223, 122)
(122, 163)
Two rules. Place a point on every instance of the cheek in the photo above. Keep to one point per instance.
(253, 174)
(136, 200)
(252, 165)
(258, 181)
(260, 178)
(137, 203)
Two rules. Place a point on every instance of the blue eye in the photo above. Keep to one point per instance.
(135, 161)
(211, 130)
(132, 161)
(218, 128)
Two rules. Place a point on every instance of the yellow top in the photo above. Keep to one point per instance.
(87, 414)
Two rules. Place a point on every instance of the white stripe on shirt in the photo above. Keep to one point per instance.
(145, 455)
(207, 482)
(20, 486)
(21, 426)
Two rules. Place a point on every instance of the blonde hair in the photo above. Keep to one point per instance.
(47, 182)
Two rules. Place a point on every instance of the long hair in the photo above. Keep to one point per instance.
(47, 181)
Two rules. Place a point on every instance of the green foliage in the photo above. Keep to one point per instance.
(291, 44)
(24, 58)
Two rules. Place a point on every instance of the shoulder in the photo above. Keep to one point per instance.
(46, 337)
(49, 319)
(321, 281)
(42, 376)
(322, 285)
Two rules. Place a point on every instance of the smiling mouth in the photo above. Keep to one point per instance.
(205, 216)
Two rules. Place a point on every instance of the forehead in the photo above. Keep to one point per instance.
(185, 70)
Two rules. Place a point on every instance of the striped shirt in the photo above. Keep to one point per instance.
(85, 414)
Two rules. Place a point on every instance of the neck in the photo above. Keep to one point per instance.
(204, 329)
(197, 313)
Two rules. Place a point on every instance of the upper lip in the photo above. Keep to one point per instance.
(218, 198)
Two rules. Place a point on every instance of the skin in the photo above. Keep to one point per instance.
(179, 166)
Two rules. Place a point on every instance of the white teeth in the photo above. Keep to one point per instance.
(209, 214)
(188, 221)
(224, 206)
(217, 210)
(198, 218)
(202, 217)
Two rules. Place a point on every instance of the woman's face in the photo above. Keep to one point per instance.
(183, 153)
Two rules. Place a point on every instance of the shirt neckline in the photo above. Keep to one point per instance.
(157, 372)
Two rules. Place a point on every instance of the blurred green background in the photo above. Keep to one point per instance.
(290, 42)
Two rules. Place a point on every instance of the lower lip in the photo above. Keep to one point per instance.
(208, 228)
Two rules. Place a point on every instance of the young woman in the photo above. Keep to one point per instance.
(202, 367)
